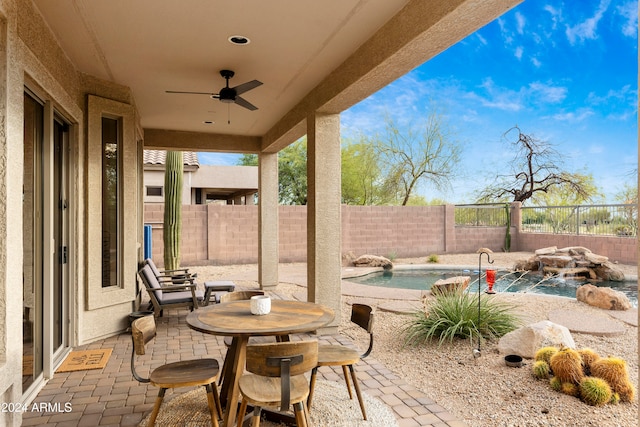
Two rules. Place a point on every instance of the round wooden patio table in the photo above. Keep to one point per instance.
(234, 319)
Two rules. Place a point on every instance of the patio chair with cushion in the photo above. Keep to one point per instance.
(339, 355)
(186, 373)
(174, 276)
(169, 295)
(179, 276)
(276, 378)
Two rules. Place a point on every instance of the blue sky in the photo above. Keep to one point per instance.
(565, 73)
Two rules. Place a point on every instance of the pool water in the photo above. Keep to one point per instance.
(506, 281)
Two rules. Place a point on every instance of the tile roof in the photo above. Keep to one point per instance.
(159, 157)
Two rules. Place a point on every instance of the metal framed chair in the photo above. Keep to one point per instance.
(169, 295)
(174, 276)
(339, 355)
(186, 373)
(276, 378)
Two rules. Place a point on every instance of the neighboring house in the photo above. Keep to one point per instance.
(202, 184)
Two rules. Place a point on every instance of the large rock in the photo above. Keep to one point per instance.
(373, 261)
(525, 341)
(609, 271)
(451, 284)
(531, 264)
(595, 258)
(556, 260)
(546, 251)
(604, 297)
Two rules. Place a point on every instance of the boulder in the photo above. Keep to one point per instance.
(609, 271)
(595, 258)
(348, 258)
(556, 261)
(525, 341)
(604, 297)
(451, 284)
(531, 264)
(546, 251)
(373, 261)
(575, 250)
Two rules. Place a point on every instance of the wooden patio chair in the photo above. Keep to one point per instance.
(339, 355)
(169, 295)
(185, 373)
(276, 378)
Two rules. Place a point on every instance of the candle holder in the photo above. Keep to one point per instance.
(491, 280)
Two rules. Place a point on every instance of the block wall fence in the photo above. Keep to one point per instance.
(222, 235)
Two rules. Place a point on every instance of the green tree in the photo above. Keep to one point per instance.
(172, 226)
(292, 173)
(248, 160)
(563, 193)
(536, 169)
(360, 174)
(430, 154)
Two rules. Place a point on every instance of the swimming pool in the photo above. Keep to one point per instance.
(506, 281)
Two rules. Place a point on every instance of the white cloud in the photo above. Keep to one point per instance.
(482, 39)
(518, 52)
(520, 23)
(629, 11)
(536, 62)
(556, 15)
(573, 117)
(548, 93)
(586, 30)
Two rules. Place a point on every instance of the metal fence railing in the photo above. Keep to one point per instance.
(482, 215)
(597, 220)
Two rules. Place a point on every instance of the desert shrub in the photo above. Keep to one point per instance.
(455, 315)
(433, 259)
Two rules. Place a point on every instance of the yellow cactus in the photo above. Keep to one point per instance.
(614, 371)
(588, 357)
(566, 364)
(545, 353)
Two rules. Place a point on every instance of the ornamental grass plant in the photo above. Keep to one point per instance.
(455, 315)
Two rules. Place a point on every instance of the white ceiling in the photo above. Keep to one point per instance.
(156, 45)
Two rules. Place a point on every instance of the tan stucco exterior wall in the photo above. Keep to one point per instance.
(32, 58)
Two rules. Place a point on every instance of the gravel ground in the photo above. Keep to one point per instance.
(484, 392)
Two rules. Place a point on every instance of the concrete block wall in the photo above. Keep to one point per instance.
(216, 234)
(402, 231)
(470, 239)
(292, 233)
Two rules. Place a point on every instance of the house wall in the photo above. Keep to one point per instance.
(215, 234)
(30, 57)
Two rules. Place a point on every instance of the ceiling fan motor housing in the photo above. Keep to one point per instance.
(227, 94)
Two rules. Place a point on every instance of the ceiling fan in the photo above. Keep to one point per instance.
(230, 95)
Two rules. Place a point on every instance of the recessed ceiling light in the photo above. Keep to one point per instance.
(239, 40)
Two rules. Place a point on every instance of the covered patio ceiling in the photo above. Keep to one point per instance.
(310, 55)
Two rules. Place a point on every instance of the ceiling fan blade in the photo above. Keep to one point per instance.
(244, 87)
(244, 103)
(192, 93)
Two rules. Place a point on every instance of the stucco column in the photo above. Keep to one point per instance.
(268, 220)
(323, 211)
